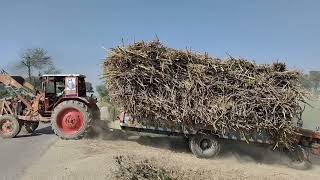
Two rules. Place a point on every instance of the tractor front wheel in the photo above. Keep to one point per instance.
(9, 126)
(71, 119)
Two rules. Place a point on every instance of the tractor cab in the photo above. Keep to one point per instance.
(58, 86)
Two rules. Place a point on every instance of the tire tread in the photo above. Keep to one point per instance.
(80, 106)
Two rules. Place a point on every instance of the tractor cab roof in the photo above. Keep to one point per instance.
(63, 75)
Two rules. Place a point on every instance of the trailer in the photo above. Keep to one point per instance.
(206, 143)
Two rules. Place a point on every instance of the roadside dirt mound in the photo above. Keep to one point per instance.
(130, 167)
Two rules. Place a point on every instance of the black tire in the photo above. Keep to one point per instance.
(95, 110)
(204, 146)
(299, 159)
(186, 139)
(5, 130)
(30, 127)
(77, 106)
(300, 165)
(96, 122)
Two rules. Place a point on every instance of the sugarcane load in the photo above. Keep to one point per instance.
(165, 87)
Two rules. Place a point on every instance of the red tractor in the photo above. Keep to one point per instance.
(62, 101)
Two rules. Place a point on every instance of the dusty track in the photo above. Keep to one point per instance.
(94, 159)
(19, 153)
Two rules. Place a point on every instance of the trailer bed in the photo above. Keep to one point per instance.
(307, 139)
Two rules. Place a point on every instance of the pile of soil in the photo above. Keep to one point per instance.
(131, 168)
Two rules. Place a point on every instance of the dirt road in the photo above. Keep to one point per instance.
(19, 153)
(95, 159)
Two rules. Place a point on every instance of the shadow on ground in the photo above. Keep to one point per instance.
(243, 152)
(41, 131)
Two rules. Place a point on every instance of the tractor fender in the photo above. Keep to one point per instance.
(81, 99)
(91, 103)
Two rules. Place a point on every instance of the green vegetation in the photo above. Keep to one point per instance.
(89, 87)
(311, 81)
(3, 92)
(311, 115)
(104, 101)
(103, 94)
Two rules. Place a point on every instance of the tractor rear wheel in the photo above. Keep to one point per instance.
(71, 119)
(9, 126)
(30, 127)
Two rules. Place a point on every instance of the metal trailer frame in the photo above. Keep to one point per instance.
(307, 139)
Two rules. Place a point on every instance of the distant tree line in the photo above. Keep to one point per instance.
(311, 81)
(103, 93)
(104, 100)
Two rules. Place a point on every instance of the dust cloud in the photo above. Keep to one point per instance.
(108, 129)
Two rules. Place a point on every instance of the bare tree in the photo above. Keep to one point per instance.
(36, 58)
(51, 70)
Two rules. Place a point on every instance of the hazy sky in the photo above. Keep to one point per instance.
(73, 32)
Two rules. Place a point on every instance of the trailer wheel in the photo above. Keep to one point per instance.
(299, 159)
(30, 127)
(9, 126)
(204, 146)
(71, 120)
